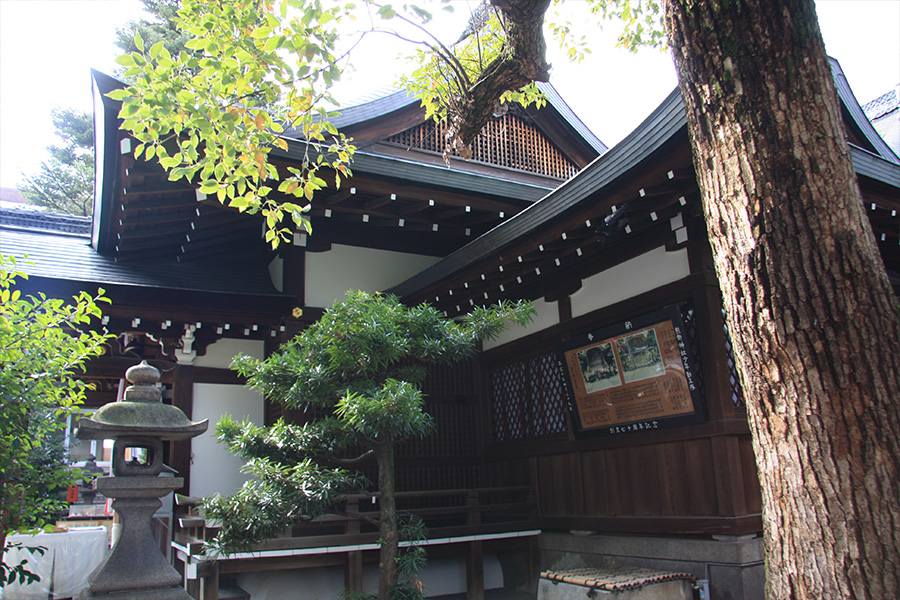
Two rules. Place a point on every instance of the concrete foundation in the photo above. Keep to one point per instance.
(732, 565)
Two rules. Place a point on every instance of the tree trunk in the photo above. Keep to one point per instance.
(813, 318)
(387, 563)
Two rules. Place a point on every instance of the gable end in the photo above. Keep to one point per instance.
(508, 141)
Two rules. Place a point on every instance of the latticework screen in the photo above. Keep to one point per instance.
(507, 141)
(737, 391)
(529, 398)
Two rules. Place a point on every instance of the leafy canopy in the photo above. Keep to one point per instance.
(253, 75)
(255, 70)
(43, 345)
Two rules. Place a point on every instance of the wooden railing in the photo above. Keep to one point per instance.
(460, 521)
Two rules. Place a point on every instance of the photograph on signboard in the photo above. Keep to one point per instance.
(636, 373)
(640, 356)
(599, 369)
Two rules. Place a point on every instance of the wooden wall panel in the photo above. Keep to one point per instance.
(701, 485)
(671, 485)
(593, 472)
(674, 490)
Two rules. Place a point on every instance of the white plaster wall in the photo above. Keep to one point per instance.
(441, 577)
(636, 276)
(276, 273)
(547, 316)
(221, 353)
(330, 274)
(214, 469)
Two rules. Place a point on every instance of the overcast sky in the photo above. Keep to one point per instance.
(47, 48)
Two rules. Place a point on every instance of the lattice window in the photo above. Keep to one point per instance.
(529, 398)
(507, 141)
(737, 391)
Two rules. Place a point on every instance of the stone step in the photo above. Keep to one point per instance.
(231, 591)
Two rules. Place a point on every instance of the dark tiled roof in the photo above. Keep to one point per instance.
(569, 115)
(35, 220)
(858, 118)
(656, 129)
(54, 256)
(381, 102)
(436, 174)
(662, 124)
(883, 104)
(394, 99)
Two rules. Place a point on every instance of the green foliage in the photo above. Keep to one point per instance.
(213, 113)
(442, 77)
(65, 182)
(412, 559)
(641, 21)
(161, 28)
(361, 366)
(364, 341)
(43, 344)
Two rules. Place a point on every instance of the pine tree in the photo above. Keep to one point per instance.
(65, 182)
(160, 29)
(362, 366)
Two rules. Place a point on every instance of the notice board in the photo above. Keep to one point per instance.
(632, 376)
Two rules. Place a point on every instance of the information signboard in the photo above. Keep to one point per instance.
(632, 376)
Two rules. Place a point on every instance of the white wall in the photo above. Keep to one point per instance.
(631, 278)
(636, 276)
(214, 469)
(330, 274)
(220, 354)
(276, 273)
(547, 316)
(442, 576)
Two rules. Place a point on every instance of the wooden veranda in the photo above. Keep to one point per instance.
(460, 522)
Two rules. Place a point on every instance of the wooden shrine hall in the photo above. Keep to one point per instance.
(529, 468)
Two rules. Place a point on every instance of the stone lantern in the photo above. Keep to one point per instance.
(139, 423)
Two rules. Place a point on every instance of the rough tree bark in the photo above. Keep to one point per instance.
(813, 319)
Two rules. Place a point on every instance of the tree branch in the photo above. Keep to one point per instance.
(346, 462)
(520, 62)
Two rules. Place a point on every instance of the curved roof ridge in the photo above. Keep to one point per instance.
(853, 108)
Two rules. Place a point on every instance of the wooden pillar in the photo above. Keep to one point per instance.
(211, 582)
(183, 398)
(353, 575)
(532, 565)
(475, 554)
(475, 571)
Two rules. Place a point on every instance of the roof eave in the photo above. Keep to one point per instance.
(106, 158)
(655, 131)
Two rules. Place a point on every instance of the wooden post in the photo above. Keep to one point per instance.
(475, 571)
(475, 555)
(183, 398)
(532, 565)
(211, 581)
(532, 550)
(353, 575)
